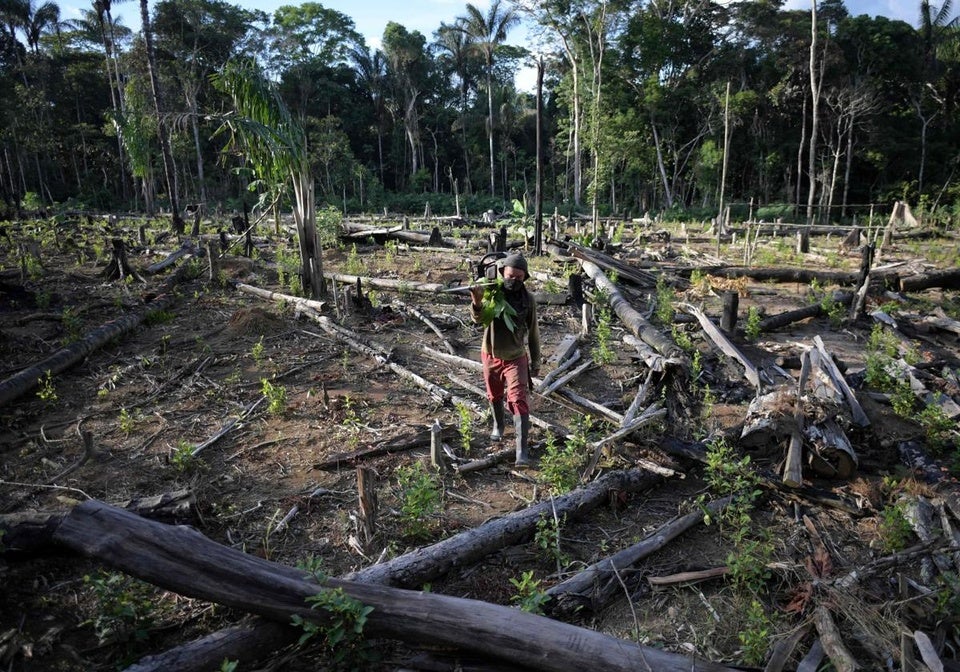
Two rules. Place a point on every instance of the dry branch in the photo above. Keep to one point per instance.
(593, 587)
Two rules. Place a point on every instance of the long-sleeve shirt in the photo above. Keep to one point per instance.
(502, 343)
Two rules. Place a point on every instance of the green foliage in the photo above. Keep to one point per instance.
(47, 392)
(494, 306)
(666, 298)
(126, 607)
(340, 629)
(547, 539)
(229, 665)
(182, 457)
(602, 351)
(752, 328)
(464, 426)
(755, 636)
(529, 597)
(257, 351)
(894, 528)
(938, 428)
(126, 421)
(72, 326)
(276, 397)
(420, 499)
(354, 264)
(560, 466)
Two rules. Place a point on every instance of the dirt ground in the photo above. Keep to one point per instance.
(150, 396)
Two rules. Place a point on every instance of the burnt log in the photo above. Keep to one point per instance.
(632, 320)
(947, 279)
(789, 317)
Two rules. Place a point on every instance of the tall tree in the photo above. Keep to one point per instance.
(168, 165)
(487, 32)
(408, 74)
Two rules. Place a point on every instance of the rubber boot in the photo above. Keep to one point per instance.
(521, 424)
(498, 421)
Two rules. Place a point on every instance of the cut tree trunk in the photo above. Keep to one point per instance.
(180, 559)
(947, 279)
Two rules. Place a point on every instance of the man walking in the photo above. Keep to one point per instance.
(507, 371)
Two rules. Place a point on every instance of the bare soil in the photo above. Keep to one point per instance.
(174, 382)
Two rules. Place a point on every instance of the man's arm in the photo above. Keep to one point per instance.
(476, 303)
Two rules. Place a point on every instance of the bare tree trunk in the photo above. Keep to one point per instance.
(168, 166)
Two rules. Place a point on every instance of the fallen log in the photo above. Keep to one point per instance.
(799, 275)
(947, 279)
(280, 298)
(750, 371)
(789, 317)
(188, 247)
(31, 532)
(180, 559)
(640, 278)
(29, 378)
(634, 321)
(428, 563)
(593, 587)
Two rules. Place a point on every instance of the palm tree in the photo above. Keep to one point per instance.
(488, 32)
(39, 19)
(275, 146)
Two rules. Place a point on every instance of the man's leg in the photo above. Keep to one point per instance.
(517, 378)
(493, 380)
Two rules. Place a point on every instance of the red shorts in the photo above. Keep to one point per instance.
(507, 378)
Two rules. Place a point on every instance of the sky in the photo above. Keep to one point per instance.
(372, 16)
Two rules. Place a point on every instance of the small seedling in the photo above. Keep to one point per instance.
(276, 397)
(182, 457)
(420, 499)
(465, 426)
(47, 391)
(529, 597)
(752, 329)
(257, 351)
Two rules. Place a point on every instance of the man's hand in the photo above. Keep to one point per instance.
(476, 295)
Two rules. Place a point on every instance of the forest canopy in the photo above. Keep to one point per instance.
(647, 106)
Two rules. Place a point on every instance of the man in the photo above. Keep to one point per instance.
(507, 371)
